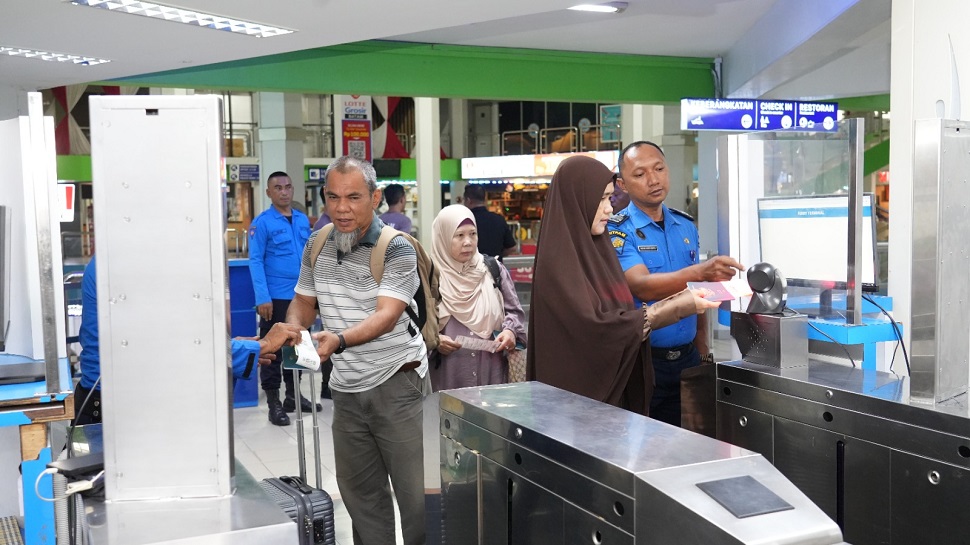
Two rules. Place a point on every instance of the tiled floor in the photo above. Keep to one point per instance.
(270, 451)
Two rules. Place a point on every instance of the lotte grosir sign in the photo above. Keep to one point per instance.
(726, 114)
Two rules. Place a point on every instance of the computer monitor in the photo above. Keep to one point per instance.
(806, 238)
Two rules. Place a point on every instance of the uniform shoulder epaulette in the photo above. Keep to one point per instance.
(681, 212)
(619, 218)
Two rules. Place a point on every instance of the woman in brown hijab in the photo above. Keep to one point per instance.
(586, 335)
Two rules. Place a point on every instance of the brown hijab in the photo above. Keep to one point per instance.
(585, 333)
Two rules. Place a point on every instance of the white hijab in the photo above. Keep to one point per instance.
(468, 292)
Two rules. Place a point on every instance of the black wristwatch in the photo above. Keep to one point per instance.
(343, 344)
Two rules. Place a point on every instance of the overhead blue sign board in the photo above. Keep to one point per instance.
(725, 114)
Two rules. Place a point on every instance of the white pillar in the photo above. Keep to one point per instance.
(641, 122)
(280, 137)
(427, 154)
(929, 49)
(681, 154)
(458, 128)
(707, 189)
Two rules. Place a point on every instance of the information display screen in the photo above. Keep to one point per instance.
(806, 238)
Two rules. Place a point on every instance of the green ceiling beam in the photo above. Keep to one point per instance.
(447, 71)
(871, 103)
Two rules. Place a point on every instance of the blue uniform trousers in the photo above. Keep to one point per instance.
(665, 404)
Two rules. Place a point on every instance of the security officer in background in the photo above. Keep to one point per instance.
(276, 241)
(658, 251)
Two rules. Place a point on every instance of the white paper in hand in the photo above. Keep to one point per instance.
(474, 343)
(302, 355)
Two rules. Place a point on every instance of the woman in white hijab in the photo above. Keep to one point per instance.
(472, 306)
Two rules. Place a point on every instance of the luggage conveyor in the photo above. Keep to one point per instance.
(888, 469)
(529, 463)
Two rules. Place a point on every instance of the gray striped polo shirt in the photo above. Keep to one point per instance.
(347, 294)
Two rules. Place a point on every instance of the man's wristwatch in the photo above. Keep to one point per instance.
(343, 344)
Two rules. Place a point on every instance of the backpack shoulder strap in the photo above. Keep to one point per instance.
(380, 248)
(322, 235)
(492, 264)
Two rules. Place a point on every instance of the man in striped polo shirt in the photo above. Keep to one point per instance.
(380, 369)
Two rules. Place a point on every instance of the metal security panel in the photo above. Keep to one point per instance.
(162, 284)
(941, 197)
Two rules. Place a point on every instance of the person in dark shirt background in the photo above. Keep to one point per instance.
(494, 236)
(395, 216)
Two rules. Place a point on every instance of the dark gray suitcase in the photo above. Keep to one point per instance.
(311, 508)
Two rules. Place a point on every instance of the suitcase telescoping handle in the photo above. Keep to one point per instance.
(299, 428)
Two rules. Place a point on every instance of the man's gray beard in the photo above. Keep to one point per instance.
(345, 241)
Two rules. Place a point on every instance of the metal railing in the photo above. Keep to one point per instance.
(603, 137)
(519, 143)
(558, 140)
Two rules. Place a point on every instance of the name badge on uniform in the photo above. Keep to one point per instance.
(646, 248)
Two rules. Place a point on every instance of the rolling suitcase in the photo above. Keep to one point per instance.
(311, 508)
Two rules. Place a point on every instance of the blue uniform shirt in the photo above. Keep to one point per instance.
(275, 251)
(90, 357)
(245, 358)
(660, 250)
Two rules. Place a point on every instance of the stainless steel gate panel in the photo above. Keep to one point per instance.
(855, 443)
(560, 468)
(929, 501)
(517, 511)
(849, 479)
(747, 428)
(669, 495)
(580, 434)
(867, 503)
(807, 456)
(605, 502)
(858, 408)
(582, 528)
(460, 473)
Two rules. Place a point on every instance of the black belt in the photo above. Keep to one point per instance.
(411, 365)
(672, 353)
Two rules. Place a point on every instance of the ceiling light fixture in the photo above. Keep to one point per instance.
(608, 7)
(48, 56)
(178, 15)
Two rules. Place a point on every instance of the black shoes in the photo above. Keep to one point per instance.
(289, 404)
(277, 416)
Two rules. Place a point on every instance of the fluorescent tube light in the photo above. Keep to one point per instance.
(178, 15)
(48, 56)
(608, 7)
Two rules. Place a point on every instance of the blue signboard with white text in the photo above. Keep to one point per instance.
(243, 173)
(726, 114)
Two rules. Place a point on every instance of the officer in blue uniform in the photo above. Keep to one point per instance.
(276, 241)
(658, 250)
